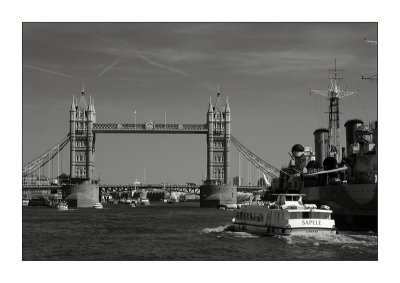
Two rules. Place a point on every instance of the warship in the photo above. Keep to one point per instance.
(345, 179)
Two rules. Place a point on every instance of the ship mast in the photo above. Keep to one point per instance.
(334, 94)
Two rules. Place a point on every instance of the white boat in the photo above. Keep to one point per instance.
(62, 206)
(286, 216)
(98, 205)
(133, 204)
(25, 202)
(144, 201)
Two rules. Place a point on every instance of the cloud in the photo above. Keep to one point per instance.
(278, 61)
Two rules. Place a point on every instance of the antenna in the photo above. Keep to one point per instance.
(373, 42)
(334, 94)
(370, 77)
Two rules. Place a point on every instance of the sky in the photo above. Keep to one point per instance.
(266, 70)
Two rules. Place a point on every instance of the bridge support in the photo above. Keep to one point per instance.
(211, 195)
(83, 194)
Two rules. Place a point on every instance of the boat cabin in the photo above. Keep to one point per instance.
(292, 201)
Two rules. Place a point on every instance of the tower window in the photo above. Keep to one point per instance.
(218, 158)
(218, 173)
(80, 172)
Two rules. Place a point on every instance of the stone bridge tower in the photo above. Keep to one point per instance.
(217, 189)
(218, 141)
(82, 192)
(82, 117)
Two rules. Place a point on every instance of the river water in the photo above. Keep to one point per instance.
(180, 231)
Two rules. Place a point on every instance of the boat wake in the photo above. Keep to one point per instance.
(343, 240)
(227, 231)
(219, 229)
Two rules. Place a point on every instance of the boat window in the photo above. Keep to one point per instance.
(306, 214)
(320, 215)
(295, 215)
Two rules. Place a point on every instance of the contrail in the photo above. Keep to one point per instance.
(101, 38)
(156, 64)
(109, 67)
(141, 56)
(51, 72)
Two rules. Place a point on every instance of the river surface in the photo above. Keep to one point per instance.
(180, 231)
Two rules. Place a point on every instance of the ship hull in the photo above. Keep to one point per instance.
(354, 206)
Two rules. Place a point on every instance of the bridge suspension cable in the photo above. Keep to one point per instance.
(265, 167)
(44, 158)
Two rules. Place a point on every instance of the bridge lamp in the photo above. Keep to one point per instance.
(135, 117)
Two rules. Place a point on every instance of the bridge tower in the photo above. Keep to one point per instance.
(217, 189)
(83, 191)
(82, 117)
(218, 141)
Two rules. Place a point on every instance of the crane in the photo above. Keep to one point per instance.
(334, 94)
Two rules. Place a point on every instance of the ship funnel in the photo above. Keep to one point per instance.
(351, 127)
(321, 139)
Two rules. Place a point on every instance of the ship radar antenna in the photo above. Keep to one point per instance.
(370, 77)
(334, 94)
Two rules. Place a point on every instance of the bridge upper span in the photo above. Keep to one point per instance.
(150, 128)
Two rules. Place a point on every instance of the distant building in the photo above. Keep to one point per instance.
(237, 181)
(261, 182)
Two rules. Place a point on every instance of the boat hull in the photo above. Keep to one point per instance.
(270, 231)
(39, 202)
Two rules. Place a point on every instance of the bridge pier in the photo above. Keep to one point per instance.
(84, 194)
(213, 194)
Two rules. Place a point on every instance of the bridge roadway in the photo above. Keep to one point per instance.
(104, 189)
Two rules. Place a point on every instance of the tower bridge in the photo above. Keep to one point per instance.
(83, 189)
